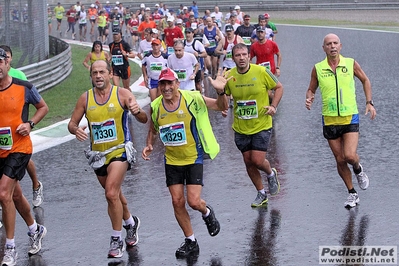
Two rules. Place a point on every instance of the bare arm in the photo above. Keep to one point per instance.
(311, 89)
(359, 73)
(87, 59)
(279, 58)
(78, 112)
(278, 94)
(151, 135)
(145, 76)
(219, 48)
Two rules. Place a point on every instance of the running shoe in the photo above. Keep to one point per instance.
(362, 179)
(10, 256)
(352, 200)
(116, 248)
(187, 249)
(211, 222)
(35, 239)
(274, 185)
(260, 200)
(38, 195)
(132, 235)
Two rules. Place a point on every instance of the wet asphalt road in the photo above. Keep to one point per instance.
(307, 212)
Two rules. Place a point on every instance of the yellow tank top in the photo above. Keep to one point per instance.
(94, 58)
(102, 21)
(108, 124)
(179, 135)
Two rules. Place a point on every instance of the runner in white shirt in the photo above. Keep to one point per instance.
(145, 45)
(195, 47)
(185, 65)
(152, 65)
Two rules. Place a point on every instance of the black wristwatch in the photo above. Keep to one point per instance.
(221, 94)
(31, 123)
(370, 102)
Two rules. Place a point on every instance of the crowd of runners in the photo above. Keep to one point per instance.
(178, 48)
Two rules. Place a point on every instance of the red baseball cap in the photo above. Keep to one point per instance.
(167, 74)
(156, 41)
(267, 15)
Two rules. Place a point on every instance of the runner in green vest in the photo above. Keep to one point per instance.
(335, 78)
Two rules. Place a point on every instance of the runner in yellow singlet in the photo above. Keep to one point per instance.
(181, 119)
(97, 53)
(106, 108)
(253, 118)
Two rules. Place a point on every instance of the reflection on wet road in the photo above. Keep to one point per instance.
(306, 214)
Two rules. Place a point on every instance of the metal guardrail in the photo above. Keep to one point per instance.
(50, 72)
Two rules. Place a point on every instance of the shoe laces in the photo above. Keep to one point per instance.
(352, 196)
(131, 231)
(115, 244)
(9, 253)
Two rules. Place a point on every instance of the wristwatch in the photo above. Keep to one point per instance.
(31, 123)
(370, 102)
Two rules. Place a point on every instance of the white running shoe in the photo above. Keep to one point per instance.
(352, 200)
(38, 195)
(362, 179)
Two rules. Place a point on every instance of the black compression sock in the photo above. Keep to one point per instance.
(352, 190)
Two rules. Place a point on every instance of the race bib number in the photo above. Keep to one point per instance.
(171, 50)
(146, 52)
(135, 28)
(83, 21)
(115, 23)
(156, 67)
(229, 56)
(117, 59)
(181, 74)
(93, 17)
(173, 134)
(247, 40)
(212, 44)
(103, 131)
(247, 109)
(5, 138)
(265, 64)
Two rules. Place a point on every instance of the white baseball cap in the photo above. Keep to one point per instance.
(117, 2)
(237, 7)
(142, 6)
(107, 2)
(171, 19)
(92, 5)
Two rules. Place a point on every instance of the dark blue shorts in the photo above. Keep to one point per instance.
(259, 141)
